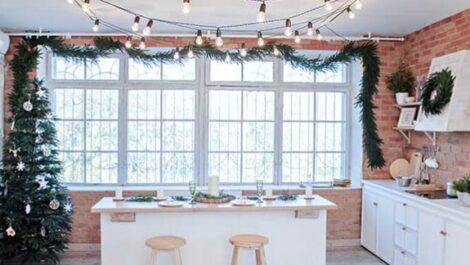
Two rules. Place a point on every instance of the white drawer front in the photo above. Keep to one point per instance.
(399, 257)
(411, 241)
(406, 215)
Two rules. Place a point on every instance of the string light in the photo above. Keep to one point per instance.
(358, 5)
(310, 30)
(260, 39)
(297, 37)
(176, 55)
(128, 43)
(70, 1)
(142, 43)
(243, 52)
(135, 25)
(148, 29)
(199, 40)
(86, 6)
(190, 53)
(228, 59)
(288, 30)
(328, 5)
(96, 27)
(319, 36)
(185, 7)
(262, 13)
(351, 14)
(276, 51)
(218, 40)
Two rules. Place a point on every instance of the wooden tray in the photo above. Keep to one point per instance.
(214, 200)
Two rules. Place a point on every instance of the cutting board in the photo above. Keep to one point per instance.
(415, 164)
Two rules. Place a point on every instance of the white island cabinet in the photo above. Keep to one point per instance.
(425, 232)
(296, 231)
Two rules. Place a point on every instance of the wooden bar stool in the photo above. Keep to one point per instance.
(165, 244)
(251, 242)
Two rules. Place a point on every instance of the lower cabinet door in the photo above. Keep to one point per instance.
(369, 220)
(430, 239)
(457, 244)
(385, 229)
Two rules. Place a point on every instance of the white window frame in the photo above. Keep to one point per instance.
(201, 85)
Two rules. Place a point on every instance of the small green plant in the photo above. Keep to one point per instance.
(462, 185)
(402, 80)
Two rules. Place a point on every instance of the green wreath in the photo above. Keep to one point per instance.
(437, 91)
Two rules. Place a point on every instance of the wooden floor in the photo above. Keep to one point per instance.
(349, 256)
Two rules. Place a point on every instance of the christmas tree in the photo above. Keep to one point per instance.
(35, 208)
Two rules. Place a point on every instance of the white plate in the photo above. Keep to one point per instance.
(309, 197)
(159, 199)
(269, 198)
(170, 204)
(243, 203)
(399, 167)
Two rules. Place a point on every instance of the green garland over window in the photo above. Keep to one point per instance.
(364, 51)
(437, 92)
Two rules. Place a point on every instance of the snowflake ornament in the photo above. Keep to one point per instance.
(39, 139)
(49, 116)
(41, 93)
(14, 151)
(10, 231)
(41, 180)
(21, 166)
(28, 106)
(68, 207)
(46, 151)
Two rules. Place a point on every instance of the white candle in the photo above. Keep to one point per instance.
(213, 186)
(160, 193)
(118, 193)
(308, 191)
(269, 192)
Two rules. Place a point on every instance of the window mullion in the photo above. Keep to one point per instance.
(122, 122)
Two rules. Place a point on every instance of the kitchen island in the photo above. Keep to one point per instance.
(296, 230)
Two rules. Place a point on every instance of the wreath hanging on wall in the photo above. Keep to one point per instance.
(437, 92)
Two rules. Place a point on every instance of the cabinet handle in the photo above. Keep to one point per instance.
(375, 204)
(403, 228)
(405, 204)
(444, 233)
(403, 252)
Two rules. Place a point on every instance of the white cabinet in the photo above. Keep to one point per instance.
(402, 257)
(369, 220)
(431, 239)
(457, 239)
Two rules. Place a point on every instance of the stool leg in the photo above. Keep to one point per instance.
(153, 257)
(259, 259)
(177, 257)
(235, 254)
(263, 255)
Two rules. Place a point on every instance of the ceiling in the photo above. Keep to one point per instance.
(380, 17)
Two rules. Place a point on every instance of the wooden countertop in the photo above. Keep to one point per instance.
(107, 205)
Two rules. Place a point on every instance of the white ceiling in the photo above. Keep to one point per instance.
(380, 17)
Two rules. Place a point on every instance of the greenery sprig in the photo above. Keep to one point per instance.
(462, 185)
(402, 80)
(437, 91)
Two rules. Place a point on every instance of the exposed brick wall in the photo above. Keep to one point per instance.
(444, 37)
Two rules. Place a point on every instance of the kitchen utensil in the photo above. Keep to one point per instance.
(399, 167)
(403, 181)
(415, 164)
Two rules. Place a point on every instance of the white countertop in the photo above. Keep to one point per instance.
(452, 206)
(107, 205)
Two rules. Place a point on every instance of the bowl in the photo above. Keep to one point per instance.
(409, 100)
(403, 181)
(464, 198)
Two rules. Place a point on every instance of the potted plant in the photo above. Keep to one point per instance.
(463, 189)
(401, 83)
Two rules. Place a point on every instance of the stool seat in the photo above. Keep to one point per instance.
(249, 241)
(165, 243)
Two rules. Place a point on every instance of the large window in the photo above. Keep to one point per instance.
(121, 122)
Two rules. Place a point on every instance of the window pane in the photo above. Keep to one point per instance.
(297, 167)
(73, 170)
(143, 167)
(299, 106)
(184, 71)
(258, 105)
(102, 104)
(338, 76)
(62, 69)
(178, 104)
(101, 167)
(144, 136)
(258, 136)
(292, 74)
(178, 167)
(69, 103)
(257, 71)
(328, 166)
(140, 71)
(329, 136)
(226, 166)
(70, 135)
(144, 104)
(178, 136)
(221, 71)
(298, 136)
(102, 135)
(258, 166)
(330, 106)
(103, 69)
(225, 105)
(224, 136)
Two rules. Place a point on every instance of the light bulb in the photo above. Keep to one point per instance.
(260, 39)
(135, 25)
(319, 36)
(243, 52)
(199, 40)
(128, 43)
(297, 37)
(228, 59)
(176, 55)
(310, 31)
(358, 5)
(142, 43)
(70, 1)
(86, 6)
(190, 53)
(351, 14)
(261, 13)
(96, 27)
(328, 5)
(185, 8)
(219, 41)
(148, 29)
(276, 51)
(288, 30)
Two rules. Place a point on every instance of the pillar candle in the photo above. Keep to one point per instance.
(308, 191)
(118, 193)
(160, 193)
(213, 186)
(269, 192)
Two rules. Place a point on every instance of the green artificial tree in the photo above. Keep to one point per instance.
(35, 209)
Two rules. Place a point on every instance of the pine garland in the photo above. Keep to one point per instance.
(441, 83)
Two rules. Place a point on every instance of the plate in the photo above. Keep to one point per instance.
(309, 197)
(159, 199)
(269, 198)
(243, 203)
(118, 199)
(170, 204)
(399, 167)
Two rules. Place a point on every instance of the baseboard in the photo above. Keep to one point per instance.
(342, 243)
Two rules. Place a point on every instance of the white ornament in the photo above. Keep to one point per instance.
(28, 106)
(39, 139)
(20, 166)
(10, 231)
(54, 204)
(49, 116)
(43, 231)
(41, 93)
(46, 151)
(14, 151)
(41, 180)
(12, 125)
(28, 208)
(68, 207)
